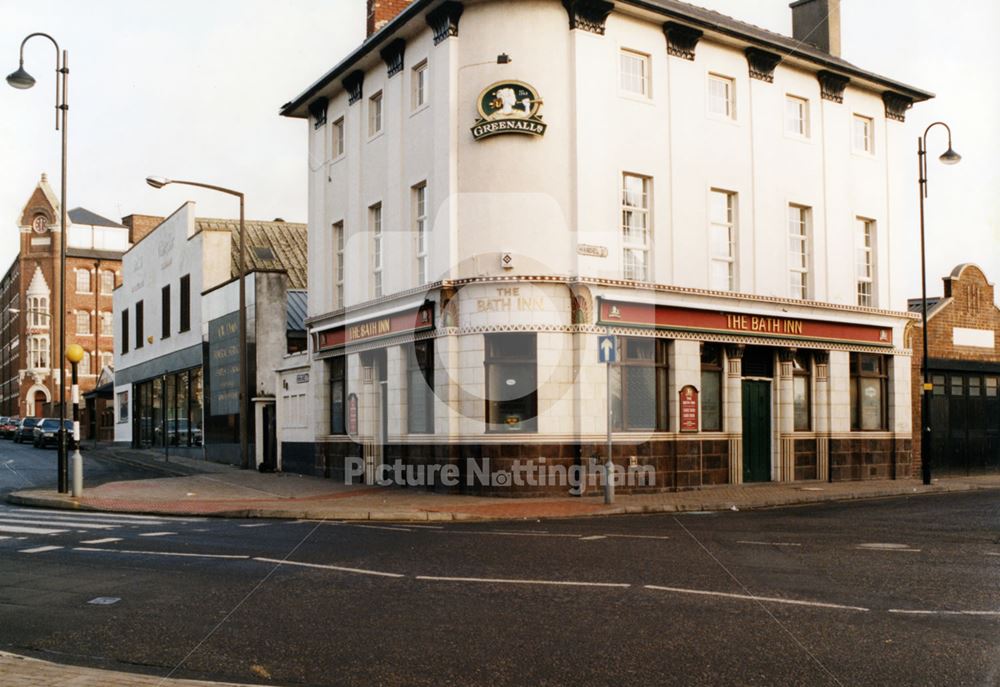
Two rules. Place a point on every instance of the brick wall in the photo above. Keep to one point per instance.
(968, 303)
(381, 12)
(140, 225)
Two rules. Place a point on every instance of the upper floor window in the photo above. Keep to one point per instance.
(107, 282)
(418, 86)
(797, 116)
(83, 281)
(798, 251)
(722, 240)
(375, 228)
(420, 230)
(165, 312)
(375, 114)
(83, 323)
(634, 73)
(863, 130)
(38, 352)
(38, 311)
(338, 138)
(635, 226)
(125, 332)
(107, 324)
(85, 364)
(338, 251)
(185, 304)
(139, 321)
(721, 96)
(864, 262)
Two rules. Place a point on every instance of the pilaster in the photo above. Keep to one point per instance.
(733, 411)
(786, 417)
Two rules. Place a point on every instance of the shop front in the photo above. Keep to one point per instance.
(167, 411)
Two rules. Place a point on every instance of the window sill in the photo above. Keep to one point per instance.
(377, 135)
(418, 110)
(636, 97)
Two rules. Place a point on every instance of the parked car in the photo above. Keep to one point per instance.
(46, 432)
(178, 433)
(25, 430)
(8, 426)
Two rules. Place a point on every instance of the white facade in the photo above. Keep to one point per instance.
(774, 150)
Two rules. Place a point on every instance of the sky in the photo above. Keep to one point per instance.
(190, 89)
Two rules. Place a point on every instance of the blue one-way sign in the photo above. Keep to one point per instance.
(606, 351)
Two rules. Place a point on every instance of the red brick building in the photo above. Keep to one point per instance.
(964, 364)
(29, 324)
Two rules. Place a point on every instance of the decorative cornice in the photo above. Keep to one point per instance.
(832, 85)
(762, 64)
(392, 55)
(896, 105)
(352, 84)
(444, 20)
(681, 39)
(588, 15)
(317, 110)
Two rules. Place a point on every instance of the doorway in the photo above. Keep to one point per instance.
(756, 430)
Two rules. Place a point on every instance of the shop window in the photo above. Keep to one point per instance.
(338, 395)
(869, 380)
(711, 387)
(122, 407)
(639, 385)
(801, 387)
(511, 374)
(420, 387)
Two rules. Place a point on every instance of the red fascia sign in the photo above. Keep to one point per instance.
(413, 320)
(745, 324)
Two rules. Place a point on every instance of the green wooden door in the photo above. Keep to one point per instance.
(756, 431)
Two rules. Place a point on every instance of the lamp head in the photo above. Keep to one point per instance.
(157, 182)
(950, 157)
(21, 79)
(74, 353)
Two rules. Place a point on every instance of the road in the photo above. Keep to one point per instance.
(902, 591)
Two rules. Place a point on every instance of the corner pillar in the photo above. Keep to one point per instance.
(733, 411)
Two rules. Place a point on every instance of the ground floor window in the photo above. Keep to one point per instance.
(511, 383)
(869, 381)
(711, 387)
(338, 394)
(801, 386)
(639, 385)
(420, 387)
(168, 410)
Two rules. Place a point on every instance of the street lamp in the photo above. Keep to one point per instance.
(74, 354)
(160, 182)
(21, 79)
(949, 157)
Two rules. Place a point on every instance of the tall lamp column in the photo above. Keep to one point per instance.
(21, 79)
(949, 157)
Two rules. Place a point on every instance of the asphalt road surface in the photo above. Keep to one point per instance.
(898, 591)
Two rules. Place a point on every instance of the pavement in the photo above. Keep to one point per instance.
(205, 488)
(30, 672)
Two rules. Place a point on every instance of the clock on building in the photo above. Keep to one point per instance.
(40, 224)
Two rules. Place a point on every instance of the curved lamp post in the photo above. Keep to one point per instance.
(160, 182)
(949, 157)
(21, 79)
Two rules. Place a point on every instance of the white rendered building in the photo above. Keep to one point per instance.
(493, 185)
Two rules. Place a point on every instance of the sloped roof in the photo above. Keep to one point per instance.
(295, 319)
(286, 240)
(916, 304)
(85, 216)
(683, 12)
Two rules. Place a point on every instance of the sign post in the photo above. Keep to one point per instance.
(607, 353)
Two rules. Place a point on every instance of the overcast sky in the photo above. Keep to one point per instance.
(191, 89)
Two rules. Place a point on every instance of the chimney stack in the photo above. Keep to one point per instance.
(817, 23)
(381, 12)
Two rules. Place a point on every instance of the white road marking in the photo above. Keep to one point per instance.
(156, 534)
(495, 580)
(88, 549)
(40, 549)
(426, 527)
(992, 553)
(60, 523)
(382, 527)
(359, 571)
(754, 597)
(768, 543)
(2, 537)
(106, 540)
(102, 515)
(29, 530)
(638, 536)
(257, 524)
(886, 547)
(904, 611)
(593, 537)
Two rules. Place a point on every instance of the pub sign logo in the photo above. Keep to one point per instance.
(508, 107)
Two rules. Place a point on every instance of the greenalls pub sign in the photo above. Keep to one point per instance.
(508, 107)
